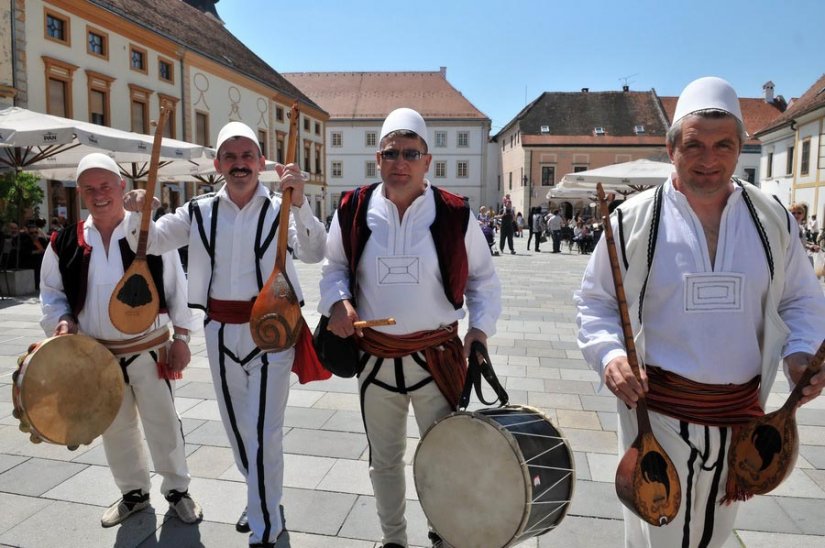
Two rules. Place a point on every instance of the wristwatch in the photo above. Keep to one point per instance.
(181, 337)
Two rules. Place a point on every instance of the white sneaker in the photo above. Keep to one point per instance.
(133, 501)
(188, 510)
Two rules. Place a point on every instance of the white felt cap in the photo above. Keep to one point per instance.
(236, 129)
(97, 160)
(404, 119)
(707, 93)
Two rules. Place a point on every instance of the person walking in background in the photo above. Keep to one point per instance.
(554, 224)
(507, 227)
(537, 228)
(710, 264)
(405, 249)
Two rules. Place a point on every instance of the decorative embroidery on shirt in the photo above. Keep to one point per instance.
(398, 270)
(717, 292)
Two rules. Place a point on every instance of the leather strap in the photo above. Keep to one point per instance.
(475, 370)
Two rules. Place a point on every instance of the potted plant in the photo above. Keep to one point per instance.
(19, 193)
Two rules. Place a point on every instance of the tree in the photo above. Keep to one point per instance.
(19, 192)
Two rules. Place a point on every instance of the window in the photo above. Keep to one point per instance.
(166, 71)
(750, 174)
(440, 139)
(805, 160)
(306, 156)
(337, 169)
(370, 139)
(59, 76)
(99, 88)
(280, 139)
(370, 169)
(306, 124)
(171, 129)
(202, 128)
(56, 27)
(262, 141)
(279, 114)
(598, 130)
(577, 169)
(638, 130)
(441, 169)
(137, 59)
(769, 170)
(545, 129)
(789, 161)
(337, 139)
(462, 169)
(140, 108)
(97, 43)
(318, 157)
(463, 138)
(548, 175)
(317, 128)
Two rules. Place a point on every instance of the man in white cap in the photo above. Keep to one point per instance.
(405, 249)
(719, 291)
(81, 267)
(232, 237)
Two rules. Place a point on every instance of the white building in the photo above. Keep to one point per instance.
(358, 102)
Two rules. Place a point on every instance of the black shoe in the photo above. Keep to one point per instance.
(392, 545)
(243, 523)
(435, 539)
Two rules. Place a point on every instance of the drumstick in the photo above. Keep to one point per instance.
(360, 324)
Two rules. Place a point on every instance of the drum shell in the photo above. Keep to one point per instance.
(68, 390)
(494, 477)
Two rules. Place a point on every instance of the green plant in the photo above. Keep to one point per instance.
(19, 191)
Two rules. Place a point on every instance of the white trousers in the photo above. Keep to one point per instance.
(252, 390)
(154, 399)
(700, 456)
(387, 387)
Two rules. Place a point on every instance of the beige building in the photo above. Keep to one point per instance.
(358, 102)
(111, 62)
(793, 152)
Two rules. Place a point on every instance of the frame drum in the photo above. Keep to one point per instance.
(68, 390)
(494, 477)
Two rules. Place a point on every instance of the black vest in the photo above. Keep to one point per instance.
(74, 254)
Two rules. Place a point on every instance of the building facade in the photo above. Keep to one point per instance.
(793, 152)
(358, 102)
(112, 62)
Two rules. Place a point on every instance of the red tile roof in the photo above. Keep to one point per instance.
(756, 113)
(373, 95)
(811, 100)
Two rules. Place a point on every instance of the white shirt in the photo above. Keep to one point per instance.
(105, 271)
(398, 274)
(234, 277)
(701, 321)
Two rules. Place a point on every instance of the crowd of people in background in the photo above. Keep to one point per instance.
(541, 225)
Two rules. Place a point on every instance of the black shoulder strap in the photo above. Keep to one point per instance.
(475, 370)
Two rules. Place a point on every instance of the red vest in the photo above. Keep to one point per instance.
(452, 216)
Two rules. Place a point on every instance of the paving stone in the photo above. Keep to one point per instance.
(583, 532)
(304, 471)
(338, 401)
(319, 512)
(578, 419)
(222, 501)
(195, 390)
(562, 401)
(582, 466)
(348, 476)
(345, 421)
(303, 398)
(209, 433)
(94, 485)
(602, 467)
(799, 484)
(596, 499)
(324, 443)
(362, 522)
(210, 462)
(7, 462)
(758, 539)
(17, 508)
(205, 410)
(306, 417)
(36, 476)
(305, 540)
(175, 533)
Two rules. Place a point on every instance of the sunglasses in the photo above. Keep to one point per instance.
(408, 154)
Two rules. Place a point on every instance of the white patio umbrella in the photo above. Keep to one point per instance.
(40, 142)
(625, 178)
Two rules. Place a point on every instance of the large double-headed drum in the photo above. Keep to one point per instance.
(494, 477)
(67, 390)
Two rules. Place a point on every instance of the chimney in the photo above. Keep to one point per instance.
(585, 90)
(625, 88)
(443, 71)
(767, 87)
(206, 6)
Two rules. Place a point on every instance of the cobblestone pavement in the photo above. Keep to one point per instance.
(52, 497)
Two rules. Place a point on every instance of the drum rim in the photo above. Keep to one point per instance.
(20, 396)
(511, 440)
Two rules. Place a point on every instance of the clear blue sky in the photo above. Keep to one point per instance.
(503, 54)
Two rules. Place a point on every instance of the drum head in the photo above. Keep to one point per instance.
(71, 388)
(455, 479)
